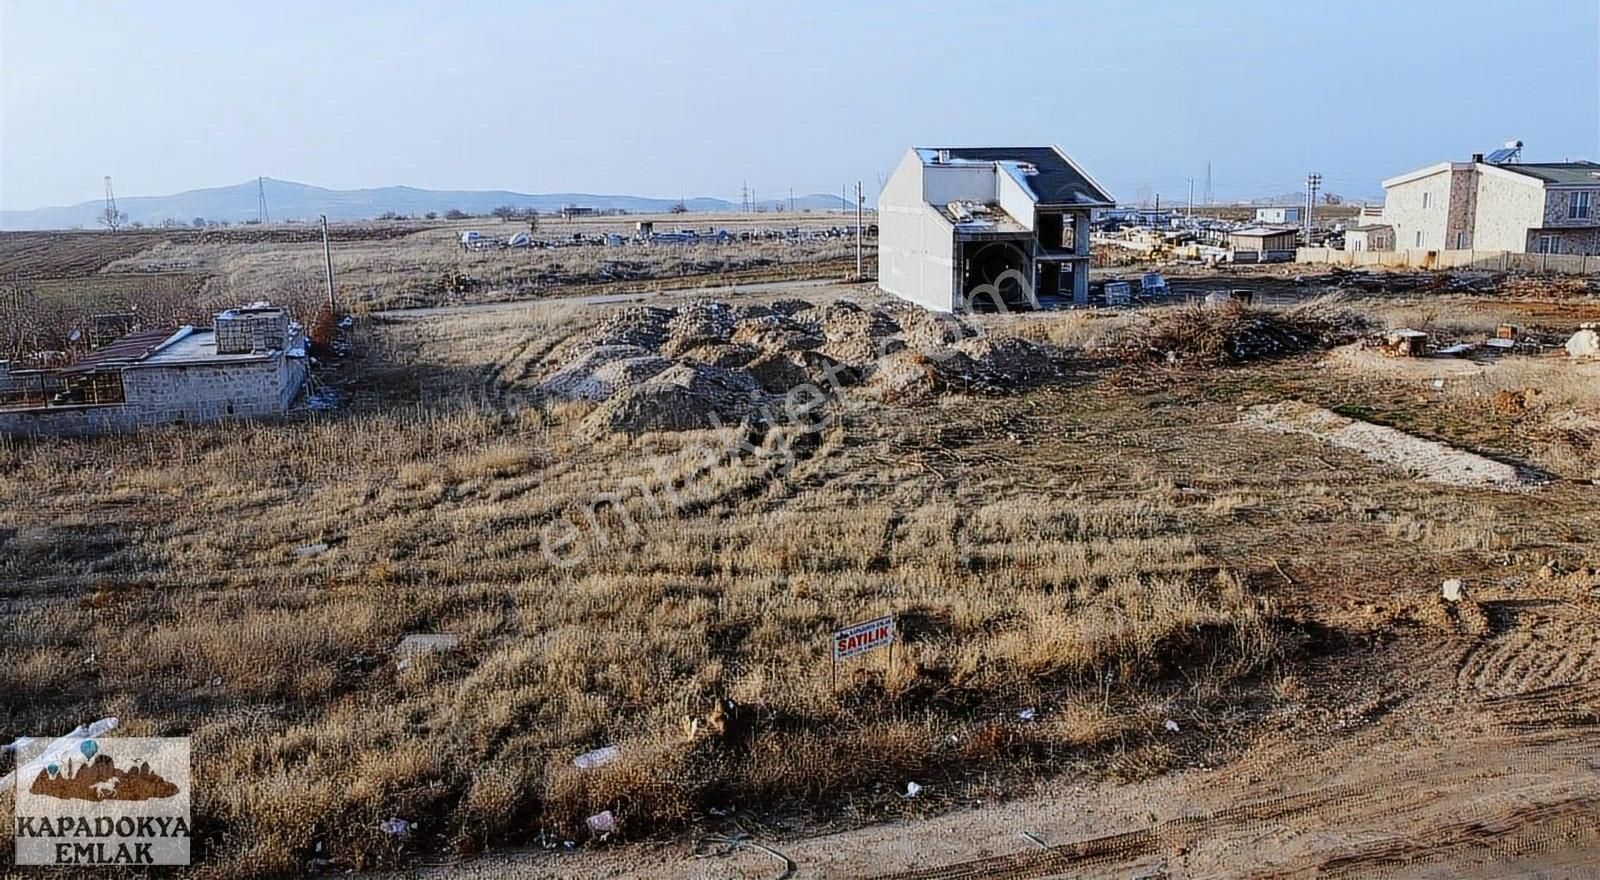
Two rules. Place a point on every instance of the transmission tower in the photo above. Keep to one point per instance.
(261, 201)
(112, 220)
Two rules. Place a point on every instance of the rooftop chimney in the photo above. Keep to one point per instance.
(1477, 158)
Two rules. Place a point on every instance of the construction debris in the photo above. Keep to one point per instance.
(1425, 459)
(1453, 590)
(603, 824)
(1235, 334)
(597, 758)
(1406, 343)
(1585, 343)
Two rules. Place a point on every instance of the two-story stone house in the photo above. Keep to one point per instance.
(1541, 208)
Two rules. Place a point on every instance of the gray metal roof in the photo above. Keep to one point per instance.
(1559, 172)
(1054, 181)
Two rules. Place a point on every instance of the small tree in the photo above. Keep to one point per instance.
(504, 212)
(456, 214)
(198, 223)
(533, 221)
(432, 215)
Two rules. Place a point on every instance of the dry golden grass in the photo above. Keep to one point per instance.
(1103, 557)
(383, 274)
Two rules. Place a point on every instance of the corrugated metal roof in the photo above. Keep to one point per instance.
(124, 351)
(1558, 172)
(1262, 232)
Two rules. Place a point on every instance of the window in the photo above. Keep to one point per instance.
(1419, 238)
(1461, 241)
(1549, 244)
(1579, 207)
(1427, 201)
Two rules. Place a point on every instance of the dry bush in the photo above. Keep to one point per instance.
(1234, 333)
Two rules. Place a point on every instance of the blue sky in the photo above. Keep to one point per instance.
(668, 98)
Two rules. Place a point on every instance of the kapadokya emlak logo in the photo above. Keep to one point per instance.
(97, 778)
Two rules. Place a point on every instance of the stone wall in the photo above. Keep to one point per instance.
(1418, 209)
(1461, 219)
(1558, 205)
(1509, 204)
(67, 421)
(159, 394)
(201, 393)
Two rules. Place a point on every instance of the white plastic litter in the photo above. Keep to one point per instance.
(597, 758)
(1452, 590)
(603, 824)
(1026, 714)
(1172, 726)
(912, 790)
(397, 827)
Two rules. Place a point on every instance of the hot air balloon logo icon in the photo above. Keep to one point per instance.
(98, 778)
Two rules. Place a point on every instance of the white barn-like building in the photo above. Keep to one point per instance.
(969, 227)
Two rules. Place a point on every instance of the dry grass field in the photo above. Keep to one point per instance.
(1073, 565)
(54, 281)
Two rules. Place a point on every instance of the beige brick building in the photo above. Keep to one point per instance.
(1544, 208)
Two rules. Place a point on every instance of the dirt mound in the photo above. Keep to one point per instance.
(844, 320)
(1233, 333)
(791, 307)
(643, 326)
(697, 324)
(684, 397)
(1005, 363)
(779, 372)
(730, 356)
(776, 333)
(599, 372)
(911, 375)
(659, 369)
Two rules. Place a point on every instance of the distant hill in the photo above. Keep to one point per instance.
(287, 200)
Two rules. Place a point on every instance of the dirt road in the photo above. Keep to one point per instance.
(1469, 786)
(608, 298)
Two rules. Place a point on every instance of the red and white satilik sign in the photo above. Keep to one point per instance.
(863, 637)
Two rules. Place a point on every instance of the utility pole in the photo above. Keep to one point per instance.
(791, 200)
(1191, 198)
(327, 258)
(1313, 183)
(261, 200)
(860, 202)
(112, 221)
(1210, 197)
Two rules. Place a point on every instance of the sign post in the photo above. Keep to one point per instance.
(859, 639)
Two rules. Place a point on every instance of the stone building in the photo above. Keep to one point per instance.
(250, 364)
(1538, 208)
